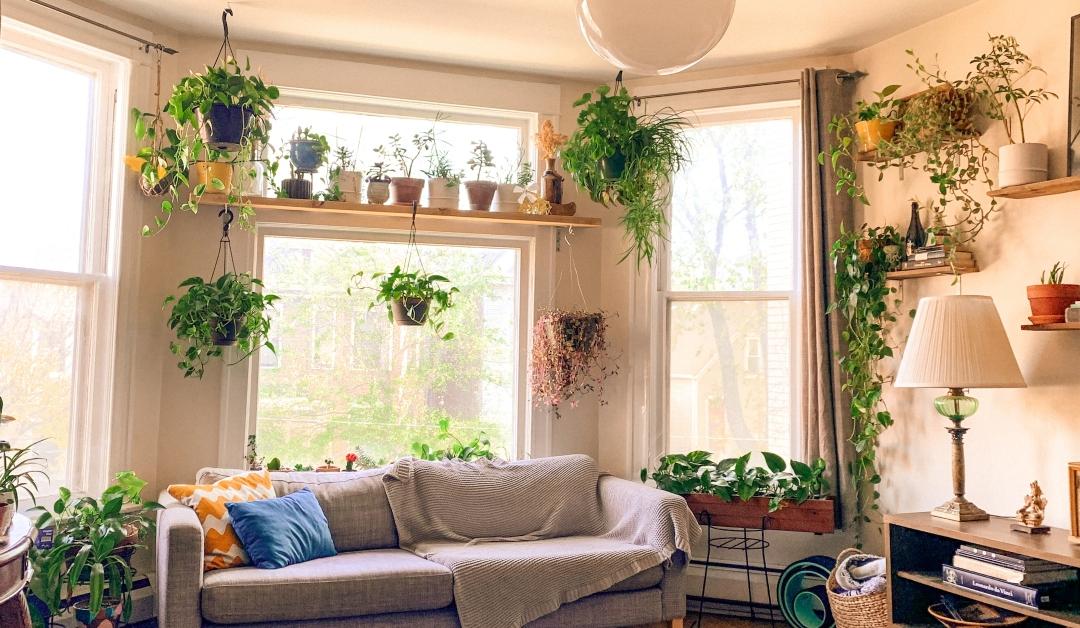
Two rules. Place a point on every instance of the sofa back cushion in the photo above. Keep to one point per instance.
(354, 503)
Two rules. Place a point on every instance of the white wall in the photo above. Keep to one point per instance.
(1018, 435)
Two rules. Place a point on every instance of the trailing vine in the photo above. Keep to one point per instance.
(865, 299)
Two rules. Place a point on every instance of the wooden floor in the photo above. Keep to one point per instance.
(715, 621)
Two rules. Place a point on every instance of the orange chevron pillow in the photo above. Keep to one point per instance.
(221, 546)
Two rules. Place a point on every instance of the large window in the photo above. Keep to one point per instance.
(727, 286)
(345, 376)
(56, 292)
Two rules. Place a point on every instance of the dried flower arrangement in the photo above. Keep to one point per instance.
(569, 357)
(549, 140)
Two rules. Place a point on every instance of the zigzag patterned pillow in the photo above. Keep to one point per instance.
(221, 546)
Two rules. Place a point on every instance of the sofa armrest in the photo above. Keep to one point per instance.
(179, 567)
(643, 515)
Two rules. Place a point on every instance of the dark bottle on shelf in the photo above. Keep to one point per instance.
(916, 232)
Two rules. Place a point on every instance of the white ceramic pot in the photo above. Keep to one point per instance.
(349, 184)
(7, 512)
(506, 200)
(378, 192)
(439, 194)
(1021, 163)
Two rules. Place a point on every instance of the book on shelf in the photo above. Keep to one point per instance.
(1015, 576)
(937, 263)
(1018, 562)
(1039, 596)
(920, 255)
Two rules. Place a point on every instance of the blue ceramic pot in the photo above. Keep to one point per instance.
(304, 155)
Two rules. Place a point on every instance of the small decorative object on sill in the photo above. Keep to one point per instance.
(327, 467)
(1072, 315)
(274, 464)
(252, 458)
(350, 461)
(1030, 516)
(1051, 297)
(550, 142)
(531, 203)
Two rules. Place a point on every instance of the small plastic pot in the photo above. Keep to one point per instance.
(224, 126)
(405, 190)
(613, 165)
(228, 338)
(410, 311)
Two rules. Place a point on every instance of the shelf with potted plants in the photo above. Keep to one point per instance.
(1050, 299)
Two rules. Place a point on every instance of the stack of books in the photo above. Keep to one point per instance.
(939, 256)
(1003, 575)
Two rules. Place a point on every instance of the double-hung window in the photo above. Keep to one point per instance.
(57, 269)
(727, 284)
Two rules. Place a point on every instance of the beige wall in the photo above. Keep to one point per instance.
(1018, 435)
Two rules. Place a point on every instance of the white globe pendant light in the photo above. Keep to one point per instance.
(653, 36)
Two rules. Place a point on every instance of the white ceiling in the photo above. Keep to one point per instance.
(535, 36)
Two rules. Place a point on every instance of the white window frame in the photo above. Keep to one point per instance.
(522, 440)
(664, 297)
(94, 422)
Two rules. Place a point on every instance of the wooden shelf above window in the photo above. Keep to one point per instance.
(398, 211)
(1042, 188)
(1052, 327)
(932, 271)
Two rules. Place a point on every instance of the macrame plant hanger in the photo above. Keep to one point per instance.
(574, 274)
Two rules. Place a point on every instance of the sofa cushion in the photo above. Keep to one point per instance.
(354, 503)
(282, 531)
(346, 585)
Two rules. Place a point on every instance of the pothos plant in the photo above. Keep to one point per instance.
(212, 315)
(622, 158)
(842, 153)
(734, 478)
(569, 357)
(456, 449)
(865, 299)
(408, 288)
(164, 162)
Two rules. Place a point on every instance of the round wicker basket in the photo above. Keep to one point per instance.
(863, 611)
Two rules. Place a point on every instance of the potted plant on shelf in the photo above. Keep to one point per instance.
(569, 357)
(411, 298)
(22, 469)
(327, 466)
(344, 178)
(998, 74)
(733, 493)
(550, 142)
(1051, 297)
(518, 176)
(307, 152)
(93, 543)
(626, 159)
(220, 115)
(378, 183)
(216, 314)
(406, 190)
(443, 184)
(877, 118)
(481, 192)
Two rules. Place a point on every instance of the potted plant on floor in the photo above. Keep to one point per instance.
(220, 313)
(626, 159)
(733, 493)
(569, 357)
(93, 543)
(411, 298)
(378, 183)
(998, 74)
(406, 190)
(1051, 296)
(22, 468)
(481, 192)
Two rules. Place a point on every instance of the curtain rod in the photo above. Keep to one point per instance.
(146, 43)
(844, 76)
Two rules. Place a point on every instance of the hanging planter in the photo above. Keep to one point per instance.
(410, 311)
(569, 357)
(226, 311)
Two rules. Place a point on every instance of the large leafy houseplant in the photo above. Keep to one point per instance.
(212, 315)
(410, 298)
(93, 542)
(626, 159)
(865, 299)
(165, 162)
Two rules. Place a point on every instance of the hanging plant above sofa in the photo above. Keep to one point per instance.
(627, 160)
(569, 357)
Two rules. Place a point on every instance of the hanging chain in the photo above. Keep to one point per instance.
(225, 252)
(226, 48)
(411, 246)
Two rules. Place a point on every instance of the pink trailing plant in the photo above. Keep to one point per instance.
(569, 357)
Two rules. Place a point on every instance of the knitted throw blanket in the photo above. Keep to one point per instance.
(522, 538)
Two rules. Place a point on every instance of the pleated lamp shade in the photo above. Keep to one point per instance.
(958, 342)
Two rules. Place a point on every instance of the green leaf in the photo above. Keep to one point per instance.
(775, 463)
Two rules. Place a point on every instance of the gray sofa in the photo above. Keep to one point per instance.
(372, 582)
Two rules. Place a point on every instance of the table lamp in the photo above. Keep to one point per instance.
(958, 342)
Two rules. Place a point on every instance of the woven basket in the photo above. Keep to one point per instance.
(863, 611)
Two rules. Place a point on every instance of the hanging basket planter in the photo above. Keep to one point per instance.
(409, 311)
(569, 357)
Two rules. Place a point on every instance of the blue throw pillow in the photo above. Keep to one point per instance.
(283, 530)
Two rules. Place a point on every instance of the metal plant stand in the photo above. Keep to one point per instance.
(746, 541)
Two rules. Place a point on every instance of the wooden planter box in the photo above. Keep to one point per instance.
(813, 515)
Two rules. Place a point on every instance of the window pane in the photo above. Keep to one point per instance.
(348, 377)
(730, 377)
(37, 340)
(362, 133)
(733, 208)
(45, 167)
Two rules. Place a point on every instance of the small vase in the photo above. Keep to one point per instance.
(552, 182)
(506, 199)
(378, 192)
(480, 194)
(916, 233)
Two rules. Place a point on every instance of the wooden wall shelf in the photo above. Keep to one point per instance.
(1052, 327)
(398, 211)
(1042, 188)
(933, 271)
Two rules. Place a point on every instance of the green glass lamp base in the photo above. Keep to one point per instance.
(956, 406)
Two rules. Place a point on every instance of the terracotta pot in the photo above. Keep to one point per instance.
(378, 192)
(480, 194)
(1049, 301)
(873, 132)
(442, 195)
(410, 311)
(207, 171)
(405, 190)
(327, 468)
(506, 199)
(1021, 163)
(813, 515)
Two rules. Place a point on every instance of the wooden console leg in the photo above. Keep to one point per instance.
(677, 622)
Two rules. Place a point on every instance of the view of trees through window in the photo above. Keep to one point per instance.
(344, 376)
(729, 288)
